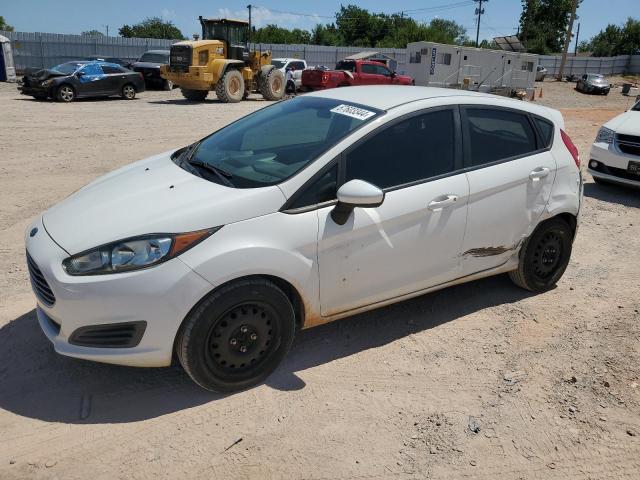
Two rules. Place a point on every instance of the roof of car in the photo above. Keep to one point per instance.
(385, 97)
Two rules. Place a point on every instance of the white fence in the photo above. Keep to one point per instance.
(604, 65)
(48, 49)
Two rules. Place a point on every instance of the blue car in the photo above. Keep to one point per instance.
(81, 79)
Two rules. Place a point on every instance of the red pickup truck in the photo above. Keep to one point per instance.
(353, 72)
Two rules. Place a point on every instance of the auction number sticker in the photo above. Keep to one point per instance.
(351, 111)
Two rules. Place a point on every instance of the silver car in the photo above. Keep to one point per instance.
(593, 83)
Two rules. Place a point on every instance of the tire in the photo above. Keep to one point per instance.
(544, 256)
(167, 85)
(254, 315)
(194, 95)
(272, 84)
(230, 88)
(128, 92)
(65, 93)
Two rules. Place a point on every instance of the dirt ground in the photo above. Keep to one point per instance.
(482, 380)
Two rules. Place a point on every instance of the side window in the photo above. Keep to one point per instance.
(414, 149)
(443, 58)
(92, 69)
(107, 69)
(367, 68)
(495, 134)
(321, 190)
(297, 65)
(382, 70)
(546, 130)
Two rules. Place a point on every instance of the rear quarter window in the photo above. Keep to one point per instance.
(546, 131)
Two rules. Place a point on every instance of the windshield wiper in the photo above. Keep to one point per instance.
(223, 175)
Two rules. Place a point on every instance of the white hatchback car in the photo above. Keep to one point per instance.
(303, 212)
(615, 155)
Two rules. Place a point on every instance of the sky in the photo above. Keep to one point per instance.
(74, 16)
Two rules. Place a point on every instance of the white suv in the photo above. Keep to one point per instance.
(615, 155)
(303, 212)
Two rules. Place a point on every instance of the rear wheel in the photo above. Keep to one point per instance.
(194, 95)
(65, 93)
(237, 336)
(544, 256)
(272, 84)
(230, 88)
(128, 92)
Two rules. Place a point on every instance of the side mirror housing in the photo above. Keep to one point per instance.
(79, 74)
(355, 193)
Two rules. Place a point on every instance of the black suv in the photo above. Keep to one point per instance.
(149, 66)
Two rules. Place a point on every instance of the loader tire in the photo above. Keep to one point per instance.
(194, 95)
(230, 88)
(272, 84)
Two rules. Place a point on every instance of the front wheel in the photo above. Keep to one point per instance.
(128, 92)
(544, 256)
(237, 336)
(66, 93)
(230, 88)
(272, 84)
(167, 85)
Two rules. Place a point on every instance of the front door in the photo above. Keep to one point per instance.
(414, 239)
(511, 172)
(93, 81)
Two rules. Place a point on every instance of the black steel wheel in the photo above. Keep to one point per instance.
(544, 256)
(236, 336)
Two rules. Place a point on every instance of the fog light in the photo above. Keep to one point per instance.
(593, 164)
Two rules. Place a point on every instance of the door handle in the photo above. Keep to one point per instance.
(442, 202)
(538, 173)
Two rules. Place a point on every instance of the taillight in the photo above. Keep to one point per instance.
(573, 150)
(325, 77)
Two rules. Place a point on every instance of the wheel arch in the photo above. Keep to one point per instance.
(287, 287)
(221, 65)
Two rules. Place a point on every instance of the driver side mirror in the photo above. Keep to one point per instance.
(355, 193)
(79, 74)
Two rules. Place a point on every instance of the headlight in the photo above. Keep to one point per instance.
(46, 83)
(605, 135)
(133, 253)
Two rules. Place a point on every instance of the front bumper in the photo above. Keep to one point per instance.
(161, 296)
(35, 91)
(612, 165)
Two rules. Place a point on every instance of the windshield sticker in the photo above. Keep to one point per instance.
(354, 112)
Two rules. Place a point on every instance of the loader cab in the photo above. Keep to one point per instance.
(233, 33)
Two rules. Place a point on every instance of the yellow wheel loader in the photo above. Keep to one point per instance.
(222, 62)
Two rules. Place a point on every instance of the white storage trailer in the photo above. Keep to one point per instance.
(452, 66)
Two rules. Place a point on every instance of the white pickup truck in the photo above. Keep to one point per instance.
(295, 64)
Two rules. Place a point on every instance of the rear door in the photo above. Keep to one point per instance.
(115, 78)
(413, 240)
(511, 171)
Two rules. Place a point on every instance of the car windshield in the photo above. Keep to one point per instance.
(594, 78)
(274, 143)
(154, 58)
(278, 63)
(346, 65)
(67, 68)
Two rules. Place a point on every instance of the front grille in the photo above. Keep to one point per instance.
(112, 335)
(39, 283)
(628, 144)
(180, 58)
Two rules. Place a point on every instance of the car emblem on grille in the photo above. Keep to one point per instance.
(33, 232)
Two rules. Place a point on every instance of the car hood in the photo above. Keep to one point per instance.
(627, 123)
(41, 74)
(151, 196)
(147, 65)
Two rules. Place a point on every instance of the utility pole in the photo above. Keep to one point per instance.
(107, 27)
(479, 12)
(575, 50)
(249, 38)
(567, 40)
